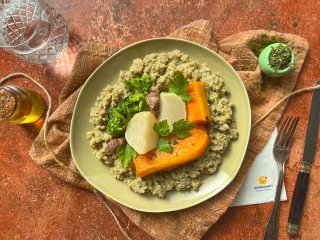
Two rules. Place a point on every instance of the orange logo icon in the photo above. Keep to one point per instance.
(262, 179)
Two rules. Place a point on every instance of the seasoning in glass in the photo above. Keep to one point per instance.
(280, 57)
(19, 105)
(276, 60)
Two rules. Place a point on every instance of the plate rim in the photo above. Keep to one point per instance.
(223, 186)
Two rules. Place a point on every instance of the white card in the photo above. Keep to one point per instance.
(260, 185)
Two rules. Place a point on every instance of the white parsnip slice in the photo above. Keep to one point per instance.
(172, 108)
(140, 134)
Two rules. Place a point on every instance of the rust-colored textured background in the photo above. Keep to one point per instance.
(36, 205)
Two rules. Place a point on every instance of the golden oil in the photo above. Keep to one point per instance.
(19, 105)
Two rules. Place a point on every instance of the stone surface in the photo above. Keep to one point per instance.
(36, 205)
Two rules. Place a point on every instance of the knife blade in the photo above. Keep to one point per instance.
(309, 152)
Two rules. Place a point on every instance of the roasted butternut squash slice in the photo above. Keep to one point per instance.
(183, 151)
(198, 109)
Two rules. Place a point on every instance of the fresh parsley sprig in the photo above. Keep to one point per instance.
(164, 145)
(181, 129)
(179, 85)
(126, 153)
(162, 128)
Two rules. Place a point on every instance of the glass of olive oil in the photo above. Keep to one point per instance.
(19, 105)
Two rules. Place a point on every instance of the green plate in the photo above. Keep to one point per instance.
(98, 175)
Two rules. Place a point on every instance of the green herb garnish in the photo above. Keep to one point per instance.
(280, 57)
(182, 127)
(162, 128)
(179, 85)
(164, 145)
(140, 84)
(125, 153)
(118, 117)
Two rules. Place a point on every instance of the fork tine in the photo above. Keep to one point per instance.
(281, 130)
(292, 131)
(285, 132)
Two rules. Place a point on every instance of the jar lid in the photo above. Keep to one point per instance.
(7, 103)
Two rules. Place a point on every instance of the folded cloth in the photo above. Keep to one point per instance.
(261, 183)
(239, 50)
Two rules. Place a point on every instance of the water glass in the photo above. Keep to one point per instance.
(32, 30)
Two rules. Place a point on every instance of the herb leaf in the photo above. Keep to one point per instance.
(179, 85)
(119, 116)
(140, 84)
(125, 153)
(186, 97)
(182, 127)
(162, 128)
(280, 57)
(164, 145)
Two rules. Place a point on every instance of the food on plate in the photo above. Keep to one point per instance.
(184, 151)
(114, 143)
(153, 101)
(172, 108)
(180, 129)
(140, 134)
(125, 154)
(165, 125)
(197, 107)
(179, 85)
(119, 116)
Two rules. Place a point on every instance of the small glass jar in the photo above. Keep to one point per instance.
(19, 105)
(264, 62)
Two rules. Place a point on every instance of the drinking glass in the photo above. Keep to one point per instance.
(32, 30)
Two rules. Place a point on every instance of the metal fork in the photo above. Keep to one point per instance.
(281, 151)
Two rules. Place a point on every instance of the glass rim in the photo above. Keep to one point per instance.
(41, 10)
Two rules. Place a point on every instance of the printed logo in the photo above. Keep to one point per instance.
(263, 180)
(263, 184)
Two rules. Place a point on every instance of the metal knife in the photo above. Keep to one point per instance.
(310, 146)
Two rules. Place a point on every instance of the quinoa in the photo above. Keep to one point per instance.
(221, 129)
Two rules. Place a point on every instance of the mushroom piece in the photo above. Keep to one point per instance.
(114, 143)
(153, 101)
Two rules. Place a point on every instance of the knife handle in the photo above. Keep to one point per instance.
(299, 196)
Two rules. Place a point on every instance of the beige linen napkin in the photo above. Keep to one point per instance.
(238, 50)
